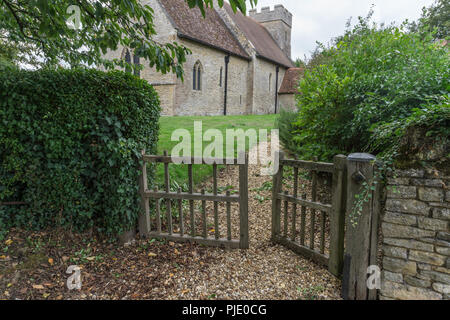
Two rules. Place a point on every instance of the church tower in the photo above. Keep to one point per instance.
(278, 22)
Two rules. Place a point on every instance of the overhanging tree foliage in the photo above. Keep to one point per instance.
(105, 24)
(435, 18)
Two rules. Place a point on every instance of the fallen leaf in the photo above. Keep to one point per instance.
(151, 254)
(171, 243)
(38, 286)
(185, 291)
(8, 242)
(64, 258)
(171, 275)
(51, 261)
(46, 295)
(90, 258)
(3, 257)
(9, 285)
(176, 251)
(59, 297)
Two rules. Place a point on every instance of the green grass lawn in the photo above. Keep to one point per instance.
(178, 173)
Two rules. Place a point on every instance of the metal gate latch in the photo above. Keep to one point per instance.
(358, 177)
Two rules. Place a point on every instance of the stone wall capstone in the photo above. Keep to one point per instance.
(416, 236)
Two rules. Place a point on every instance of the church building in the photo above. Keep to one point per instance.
(237, 66)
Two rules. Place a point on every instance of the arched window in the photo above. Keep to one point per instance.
(197, 76)
(194, 78)
(126, 55)
(137, 62)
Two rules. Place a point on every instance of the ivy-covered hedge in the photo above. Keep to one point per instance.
(70, 142)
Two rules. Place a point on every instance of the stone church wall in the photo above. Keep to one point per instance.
(210, 100)
(248, 81)
(164, 84)
(263, 93)
(287, 102)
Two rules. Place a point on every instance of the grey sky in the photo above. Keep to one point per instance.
(321, 20)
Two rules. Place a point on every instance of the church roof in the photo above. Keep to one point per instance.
(210, 31)
(290, 81)
(264, 44)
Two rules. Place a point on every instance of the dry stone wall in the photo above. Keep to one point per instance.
(416, 236)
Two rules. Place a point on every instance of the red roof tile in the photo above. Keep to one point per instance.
(265, 45)
(210, 31)
(291, 80)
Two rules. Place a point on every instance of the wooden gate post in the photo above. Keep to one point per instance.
(276, 203)
(144, 217)
(144, 209)
(243, 202)
(361, 233)
(337, 216)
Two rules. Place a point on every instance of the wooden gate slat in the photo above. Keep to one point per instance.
(158, 213)
(313, 205)
(191, 196)
(322, 231)
(180, 212)
(216, 205)
(228, 217)
(205, 226)
(313, 211)
(286, 215)
(294, 205)
(168, 202)
(303, 223)
(308, 165)
(191, 202)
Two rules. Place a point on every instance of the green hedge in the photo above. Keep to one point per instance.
(70, 141)
(371, 78)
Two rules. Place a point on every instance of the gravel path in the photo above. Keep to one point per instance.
(265, 271)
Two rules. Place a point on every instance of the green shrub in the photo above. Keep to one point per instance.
(370, 77)
(424, 135)
(285, 126)
(70, 142)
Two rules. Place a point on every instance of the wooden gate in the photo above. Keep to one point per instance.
(310, 214)
(154, 230)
